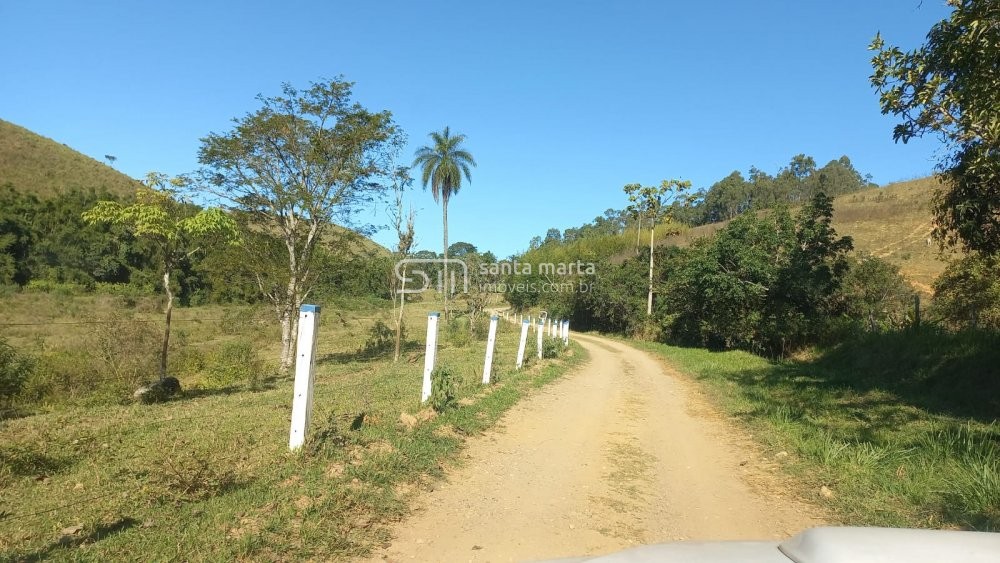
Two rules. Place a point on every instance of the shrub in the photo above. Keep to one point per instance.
(328, 439)
(127, 351)
(551, 347)
(443, 388)
(967, 294)
(381, 339)
(15, 369)
(236, 362)
(876, 295)
(457, 332)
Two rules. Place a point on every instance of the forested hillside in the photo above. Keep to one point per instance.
(45, 243)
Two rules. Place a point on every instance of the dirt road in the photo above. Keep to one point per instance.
(621, 452)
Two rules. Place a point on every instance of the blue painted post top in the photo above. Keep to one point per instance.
(309, 309)
(433, 314)
(526, 321)
(494, 318)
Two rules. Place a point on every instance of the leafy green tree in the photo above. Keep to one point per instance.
(967, 293)
(948, 87)
(174, 228)
(301, 161)
(836, 178)
(726, 199)
(818, 259)
(764, 282)
(461, 249)
(442, 164)
(876, 294)
(647, 202)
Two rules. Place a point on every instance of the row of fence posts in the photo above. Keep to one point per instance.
(305, 358)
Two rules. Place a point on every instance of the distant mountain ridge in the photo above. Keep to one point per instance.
(31, 163)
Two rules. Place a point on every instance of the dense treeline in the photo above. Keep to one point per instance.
(45, 243)
(47, 240)
(792, 185)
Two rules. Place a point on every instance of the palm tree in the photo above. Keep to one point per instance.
(443, 163)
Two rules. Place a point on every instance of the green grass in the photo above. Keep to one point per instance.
(209, 477)
(902, 427)
(38, 165)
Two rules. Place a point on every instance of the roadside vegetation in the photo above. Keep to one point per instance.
(895, 429)
(207, 475)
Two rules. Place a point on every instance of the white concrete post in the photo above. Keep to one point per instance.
(429, 352)
(305, 361)
(541, 332)
(565, 333)
(491, 341)
(524, 340)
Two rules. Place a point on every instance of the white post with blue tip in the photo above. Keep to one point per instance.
(524, 340)
(541, 334)
(429, 353)
(491, 341)
(305, 363)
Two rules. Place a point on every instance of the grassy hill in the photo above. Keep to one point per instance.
(892, 222)
(35, 164)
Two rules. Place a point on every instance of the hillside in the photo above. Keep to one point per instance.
(38, 165)
(892, 222)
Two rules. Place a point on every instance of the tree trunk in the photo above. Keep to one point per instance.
(638, 233)
(399, 318)
(447, 287)
(649, 301)
(166, 324)
(288, 326)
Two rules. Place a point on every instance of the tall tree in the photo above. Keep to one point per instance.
(301, 161)
(648, 203)
(948, 87)
(403, 224)
(443, 163)
(175, 228)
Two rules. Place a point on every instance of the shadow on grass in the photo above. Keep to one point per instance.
(370, 354)
(880, 379)
(20, 460)
(266, 384)
(68, 542)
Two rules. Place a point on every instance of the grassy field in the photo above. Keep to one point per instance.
(208, 476)
(900, 429)
(37, 165)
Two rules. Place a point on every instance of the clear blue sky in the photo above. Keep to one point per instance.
(563, 102)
